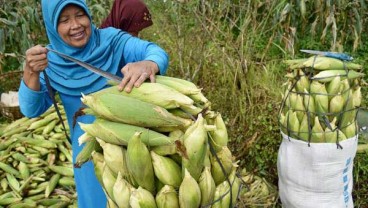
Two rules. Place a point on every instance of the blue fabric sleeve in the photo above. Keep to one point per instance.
(137, 49)
(33, 103)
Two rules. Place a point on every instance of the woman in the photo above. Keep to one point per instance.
(70, 31)
(131, 16)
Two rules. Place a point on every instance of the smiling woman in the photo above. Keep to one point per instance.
(71, 32)
(74, 26)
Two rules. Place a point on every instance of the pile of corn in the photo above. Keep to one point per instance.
(154, 147)
(256, 191)
(321, 101)
(36, 163)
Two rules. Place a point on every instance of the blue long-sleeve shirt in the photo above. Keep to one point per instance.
(34, 103)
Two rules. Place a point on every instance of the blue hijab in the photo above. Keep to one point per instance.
(103, 50)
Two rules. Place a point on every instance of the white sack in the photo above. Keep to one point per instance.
(316, 176)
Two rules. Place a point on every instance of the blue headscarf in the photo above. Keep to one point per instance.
(103, 50)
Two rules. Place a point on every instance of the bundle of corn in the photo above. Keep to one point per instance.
(320, 133)
(159, 146)
(36, 163)
(321, 100)
(257, 191)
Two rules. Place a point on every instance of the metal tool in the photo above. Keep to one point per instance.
(341, 56)
(96, 70)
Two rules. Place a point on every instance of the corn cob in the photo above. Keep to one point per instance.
(207, 187)
(181, 85)
(167, 197)
(326, 63)
(219, 137)
(132, 111)
(154, 93)
(328, 75)
(115, 159)
(189, 192)
(318, 134)
(120, 134)
(122, 191)
(195, 142)
(108, 181)
(166, 170)
(226, 161)
(139, 163)
(142, 198)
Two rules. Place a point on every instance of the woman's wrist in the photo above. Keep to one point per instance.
(31, 79)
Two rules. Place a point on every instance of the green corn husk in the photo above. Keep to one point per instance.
(181, 85)
(349, 114)
(282, 123)
(120, 134)
(292, 100)
(345, 90)
(320, 95)
(167, 197)
(326, 63)
(122, 191)
(336, 105)
(334, 134)
(357, 97)
(207, 186)
(222, 190)
(115, 159)
(154, 93)
(299, 108)
(318, 134)
(189, 192)
(309, 102)
(226, 160)
(351, 130)
(176, 134)
(98, 163)
(195, 142)
(108, 181)
(139, 163)
(304, 128)
(328, 75)
(219, 137)
(334, 86)
(303, 82)
(166, 170)
(293, 124)
(164, 150)
(141, 198)
(132, 111)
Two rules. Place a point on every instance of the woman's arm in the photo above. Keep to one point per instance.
(33, 96)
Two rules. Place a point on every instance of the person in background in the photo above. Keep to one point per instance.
(131, 16)
(70, 31)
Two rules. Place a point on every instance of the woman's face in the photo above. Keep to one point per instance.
(74, 26)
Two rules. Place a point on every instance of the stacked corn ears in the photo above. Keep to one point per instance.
(36, 163)
(152, 147)
(321, 100)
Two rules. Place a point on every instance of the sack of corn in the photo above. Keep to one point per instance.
(159, 146)
(36, 167)
(320, 134)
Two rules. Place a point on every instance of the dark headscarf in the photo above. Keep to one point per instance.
(128, 15)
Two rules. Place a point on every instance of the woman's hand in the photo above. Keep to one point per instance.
(36, 59)
(136, 73)
(36, 62)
